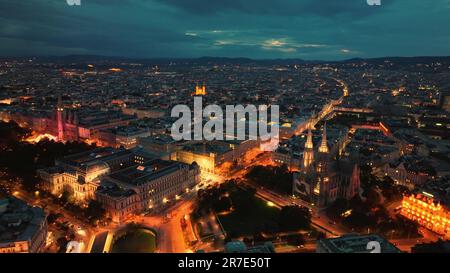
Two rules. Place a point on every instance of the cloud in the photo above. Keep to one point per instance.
(355, 8)
(311, 29)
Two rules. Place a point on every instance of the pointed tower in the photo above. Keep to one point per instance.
(59, 119)
(355, 183)
(323, 148)
(308, 153)
(322, 160)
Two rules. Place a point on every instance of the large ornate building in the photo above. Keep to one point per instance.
(323, 180)
(80, 174)
(68, 123)
(426, 211)
(213, 154)
(23, 229)
(144, 187)
(125, 182)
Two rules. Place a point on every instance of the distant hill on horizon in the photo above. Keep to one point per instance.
(221, 60)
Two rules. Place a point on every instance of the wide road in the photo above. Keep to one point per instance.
(170, 237)
(50, 207)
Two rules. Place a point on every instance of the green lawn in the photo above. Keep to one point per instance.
(251, 215)
(136, 241)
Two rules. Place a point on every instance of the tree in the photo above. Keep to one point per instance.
(295, 239)
(277, 178)
(11, 132)
(294, 218)
(62, 244)
(52, 217)
(95, 211)
(21, 159)
(65, 197)
(373, 196)
(336, 209)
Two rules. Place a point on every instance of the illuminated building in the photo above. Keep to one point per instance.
(143, 112)
(353, 243)
(69, 124)
(211, 155)
(423, 209)
(23, 229)
(79, 174)
(125, 182)
(92, 121)
(200, 91)
(160, 145)
(146, 186)
(323, 148)
(326, 180)
(308, 154)
(124, 136)
(345, 91)
(59, 119)
(444, 100)
(408, 171)
(300, 151)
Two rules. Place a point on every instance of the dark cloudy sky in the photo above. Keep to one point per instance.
(309, 29)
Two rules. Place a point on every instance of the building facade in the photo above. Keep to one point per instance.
(354, 243)
(144, 187)
(325, 179)
(23, 229)
(423, 209)
(79, 175)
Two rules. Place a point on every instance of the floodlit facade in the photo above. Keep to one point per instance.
(80, 174)
(144, 187)
(423, 209)
(325, 180)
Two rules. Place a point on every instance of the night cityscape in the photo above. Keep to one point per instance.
(89, 162)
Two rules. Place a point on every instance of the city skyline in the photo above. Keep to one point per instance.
(255, 29)
(207, 126)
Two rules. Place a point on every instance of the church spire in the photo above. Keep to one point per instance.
(323, 148)
(309, 141)
(308, 153)
(59, 119)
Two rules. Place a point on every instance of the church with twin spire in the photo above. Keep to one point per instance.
(324, 177)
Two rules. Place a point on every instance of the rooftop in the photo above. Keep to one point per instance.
(139, 174)
(354, 243)
(19, 222)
